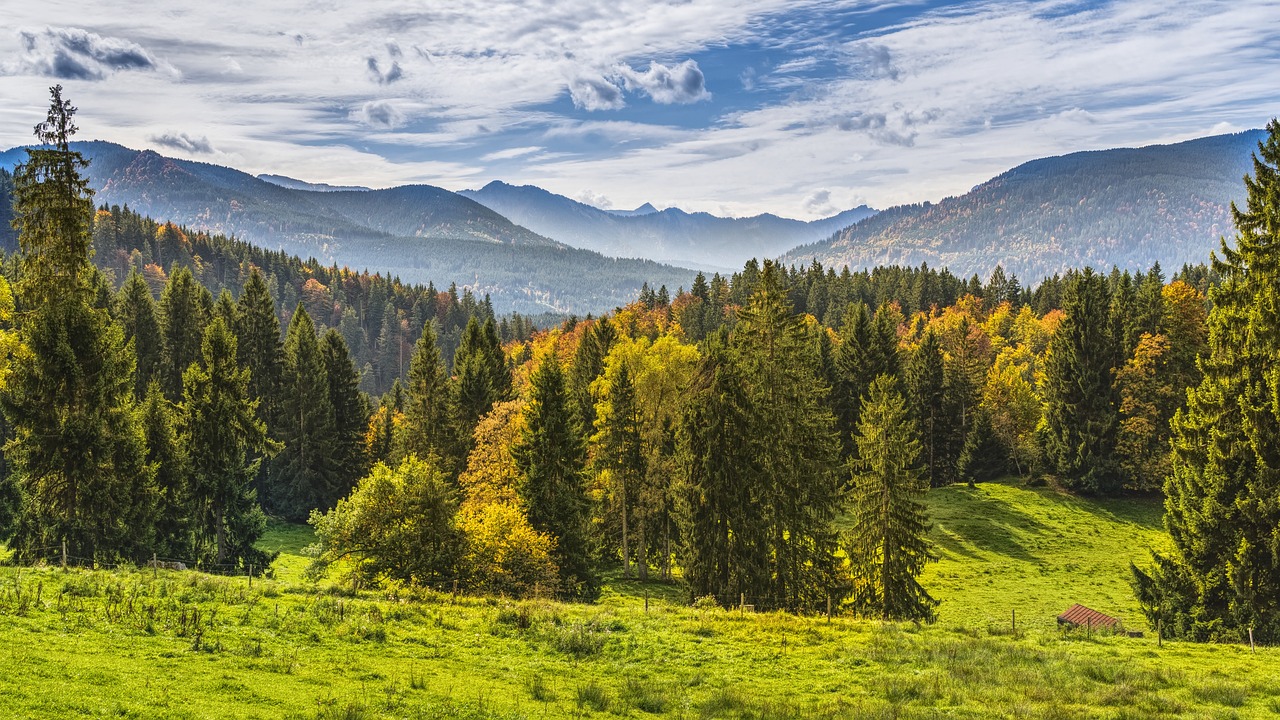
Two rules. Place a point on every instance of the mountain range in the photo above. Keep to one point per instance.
(419, 233)
(699, 240)
(1128, 207)
(534, 251)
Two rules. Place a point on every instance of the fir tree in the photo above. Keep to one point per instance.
(258, 346)
(304, 475)
(480, 370)
(1221, 509)
(136, 309)
(725, 551)
(888, 537)
(551, 455)
(184, 311)
(983, 457)
(167, 453)
(350, 416)
(1080, 404)
(428, 427)
(588, 365)
(78, 450)
(795, 445)
(620, 452)
(926, 396)
(225, 438)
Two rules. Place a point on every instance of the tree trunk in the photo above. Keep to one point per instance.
(222, 536)
(626, 557)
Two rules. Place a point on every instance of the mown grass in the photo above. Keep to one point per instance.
(180, 644)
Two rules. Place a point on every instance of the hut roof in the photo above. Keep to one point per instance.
(1077, 615)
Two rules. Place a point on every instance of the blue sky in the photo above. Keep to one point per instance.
(787, 106)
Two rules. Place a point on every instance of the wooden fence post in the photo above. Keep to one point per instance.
(64, 553)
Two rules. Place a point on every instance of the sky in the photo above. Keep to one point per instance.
(793, 107)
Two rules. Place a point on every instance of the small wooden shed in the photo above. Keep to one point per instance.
(1080, 616)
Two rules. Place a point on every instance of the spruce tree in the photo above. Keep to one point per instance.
(551, 456)
(888, 538)
(184, 311)
(480, 370)
(620, 453)
(926, 396)
(428, 428)
(350, 416)
(304, 475)
(167, 452)
(1081, 408)
(795, 445)
(225, 441)
(1221, 507)
(78, 452)
(588, 365)
(136, 309)
(258, 346)
(725, 549)
(983, 456)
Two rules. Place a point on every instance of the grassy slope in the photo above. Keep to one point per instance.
(124, 644)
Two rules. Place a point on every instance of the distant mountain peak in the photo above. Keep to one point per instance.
(645, 209)
(295, 184)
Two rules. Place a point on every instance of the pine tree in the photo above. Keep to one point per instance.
(304, 475)
(868, 349)
(795, 445)
(184, 311)
(350, 416)
(258, 346)
(888, 538)
(588, 365)
(167, 452)
(1221, 507)
(926, 395)
(620, 452)
(78, 452)
(224, 437)
(428, 430)
(1080, 403)
(983, 457)
(481, 373)
(725, 551)
(552, 457)
(137, 312)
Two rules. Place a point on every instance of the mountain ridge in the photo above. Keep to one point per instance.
(1128, 207)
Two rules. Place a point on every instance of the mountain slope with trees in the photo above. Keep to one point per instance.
(419, 233)
(1125, 207)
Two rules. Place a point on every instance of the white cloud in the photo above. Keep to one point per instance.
(183, 141)
(683, 83)
(71, 53)
(511, 153)
(379, 114)
(595, 93)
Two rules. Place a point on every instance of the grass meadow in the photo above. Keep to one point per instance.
(140, 643)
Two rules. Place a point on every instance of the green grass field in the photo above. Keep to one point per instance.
(170, 644)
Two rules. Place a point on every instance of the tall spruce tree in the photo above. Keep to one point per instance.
(185, 306)
(1081, 408)
(795, 445)
(225, 438)
(167, 452)
(428, 430)
(926, 396)
(620, 453)
(350, 416)
(1222, 499)
(258, 346)
(726, 549)
(78, 452)
(888, 538)
(480, 370)
(588, 365)
(551, 455)
(304, 476)
(136, 309)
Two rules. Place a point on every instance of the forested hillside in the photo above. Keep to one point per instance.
(421, 234)
(671, 235)
(1125, 207)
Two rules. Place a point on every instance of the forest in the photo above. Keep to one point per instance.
(764, 438)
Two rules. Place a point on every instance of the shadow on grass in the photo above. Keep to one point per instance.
(969, 518)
